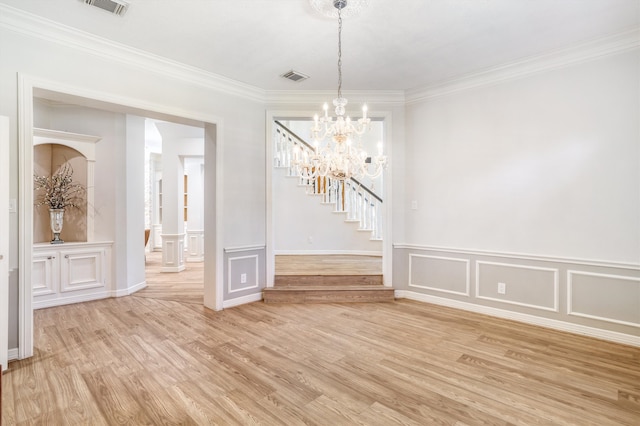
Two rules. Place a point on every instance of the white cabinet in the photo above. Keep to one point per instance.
(70, 273)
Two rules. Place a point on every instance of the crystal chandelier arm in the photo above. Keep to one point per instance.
(340, 160)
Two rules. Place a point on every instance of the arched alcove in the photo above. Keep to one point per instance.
(53, 149)
(48, 159)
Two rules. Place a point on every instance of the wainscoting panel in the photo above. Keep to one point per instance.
(70, 273)
(244, 275)
(43, 274)
(620, 303)
(169, 253)
(595, 297)
(442, 274)
(81, 271)
(530, 286)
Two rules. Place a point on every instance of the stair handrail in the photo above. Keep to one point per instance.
(303, 142)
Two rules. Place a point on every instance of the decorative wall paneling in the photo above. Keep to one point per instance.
(619, 303)
(441, 274)
(596, 298)
(244, 275)
(71, 273)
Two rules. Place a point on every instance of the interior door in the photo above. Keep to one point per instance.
(4, 240)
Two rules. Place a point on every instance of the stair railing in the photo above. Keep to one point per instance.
(359, 203)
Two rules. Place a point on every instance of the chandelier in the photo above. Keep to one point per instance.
(335, 154)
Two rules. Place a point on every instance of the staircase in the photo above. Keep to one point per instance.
(360, 204)
(329, 278)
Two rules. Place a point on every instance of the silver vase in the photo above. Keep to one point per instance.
(56, 218)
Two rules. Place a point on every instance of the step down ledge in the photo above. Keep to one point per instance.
(329, 288)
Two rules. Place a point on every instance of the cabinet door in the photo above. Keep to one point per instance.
(44, 274)
(80, 270)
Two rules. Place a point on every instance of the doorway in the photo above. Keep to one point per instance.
(386, 186)
(184, 285)
(31, 89)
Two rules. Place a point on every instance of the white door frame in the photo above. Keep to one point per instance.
(213, 126)
(387, 242)
(4, 241)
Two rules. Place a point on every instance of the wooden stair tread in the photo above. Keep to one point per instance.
(327, 280)
(330, 288)
(274, 295)
(328, 294)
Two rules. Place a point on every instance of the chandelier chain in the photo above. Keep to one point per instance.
(339, 53)
(334, 155)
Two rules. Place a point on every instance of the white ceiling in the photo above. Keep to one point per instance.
(391, 45)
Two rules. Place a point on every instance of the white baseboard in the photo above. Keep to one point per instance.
(71, 299)
(173, 268)
(242, 300)
(129, 290)
(525, 318)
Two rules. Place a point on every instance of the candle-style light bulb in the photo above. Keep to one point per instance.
(379, 148)
(364, 112)
(325, 107)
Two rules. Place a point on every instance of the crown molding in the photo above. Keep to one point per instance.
(610, 45)
(31, 25)
(294, 97)
(35, 26)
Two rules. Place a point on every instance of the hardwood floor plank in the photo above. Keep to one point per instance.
(380, 414)
(158, 359)
(201, 407)
(73, 397)
(156, 401)
(117, 404)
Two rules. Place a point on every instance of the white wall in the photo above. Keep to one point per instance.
(545, 165)
(130, 236)
(533, 182)
(303, 225)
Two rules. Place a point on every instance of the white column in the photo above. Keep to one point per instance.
(194, 168)
(130, 243)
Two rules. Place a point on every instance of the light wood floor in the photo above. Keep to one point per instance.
(158, 360)
(186, 286)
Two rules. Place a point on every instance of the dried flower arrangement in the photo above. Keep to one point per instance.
(59, 191)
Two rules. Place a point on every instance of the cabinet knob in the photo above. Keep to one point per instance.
(51, 257)
(66, 256)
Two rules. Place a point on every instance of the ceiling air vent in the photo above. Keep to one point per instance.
(294, 76)
(117, 7)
